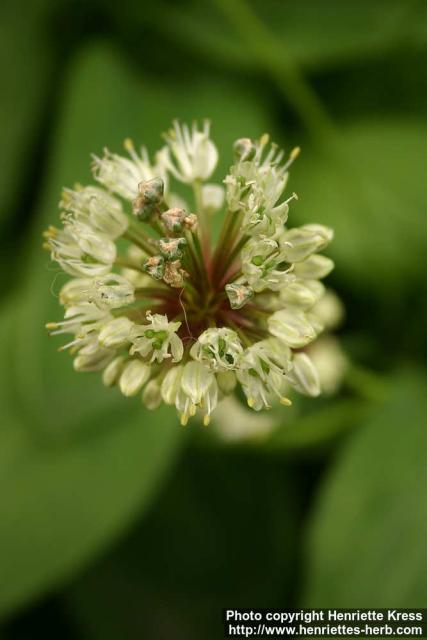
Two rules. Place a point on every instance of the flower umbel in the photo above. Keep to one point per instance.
(167, 314)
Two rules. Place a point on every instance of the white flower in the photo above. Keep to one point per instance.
(199, 386)
(113, 291)
(329, 310)
(133, 377)
(330, 362)
(190, 387)
(92, 361)
(219, 349)
(194, 153)
(264, 366)
(314, 267)
(151, 395)
(299, 243)
(97, 209)
(78, 316)
(86, 255)
(157, 338)
(292, 327)
(212, 197)
(123, 175)
(112, 372)
(303, 375)
(301, 293)
(115, 333)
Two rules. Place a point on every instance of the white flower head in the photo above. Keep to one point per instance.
(158, 338)
(194, 155)
(235, 309)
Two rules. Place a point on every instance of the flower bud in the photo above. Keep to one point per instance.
(113, 291)
(92, 361)
(303, 375)
(171, 384)
(226, 381)
(116, 332)
(134, 375)
(151, 395)
(302, 293)
(299, 243)
(112, 372)
(314, 267)
(292, 327)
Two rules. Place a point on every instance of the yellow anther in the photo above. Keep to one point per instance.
(184, 419)
(285, 401)
(251, 402)
(206, 420)
(294, 153)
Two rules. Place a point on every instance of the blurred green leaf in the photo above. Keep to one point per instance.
(372, 193)
(367, 539)
(62, 504)
(316, 35)
(224, 530)
(26, 65)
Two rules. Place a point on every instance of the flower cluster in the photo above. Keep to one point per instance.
(160, 309)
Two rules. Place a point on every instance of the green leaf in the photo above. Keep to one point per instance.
(371, 191)
(26, 68)
(62, 503)
(225, 529)
(316, 35)
(366, 542)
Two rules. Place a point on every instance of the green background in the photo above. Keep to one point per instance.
(116, 523)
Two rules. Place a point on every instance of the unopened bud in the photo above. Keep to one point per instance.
(115, 333)
(151, 395)
(134, 375)
(112, 372)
